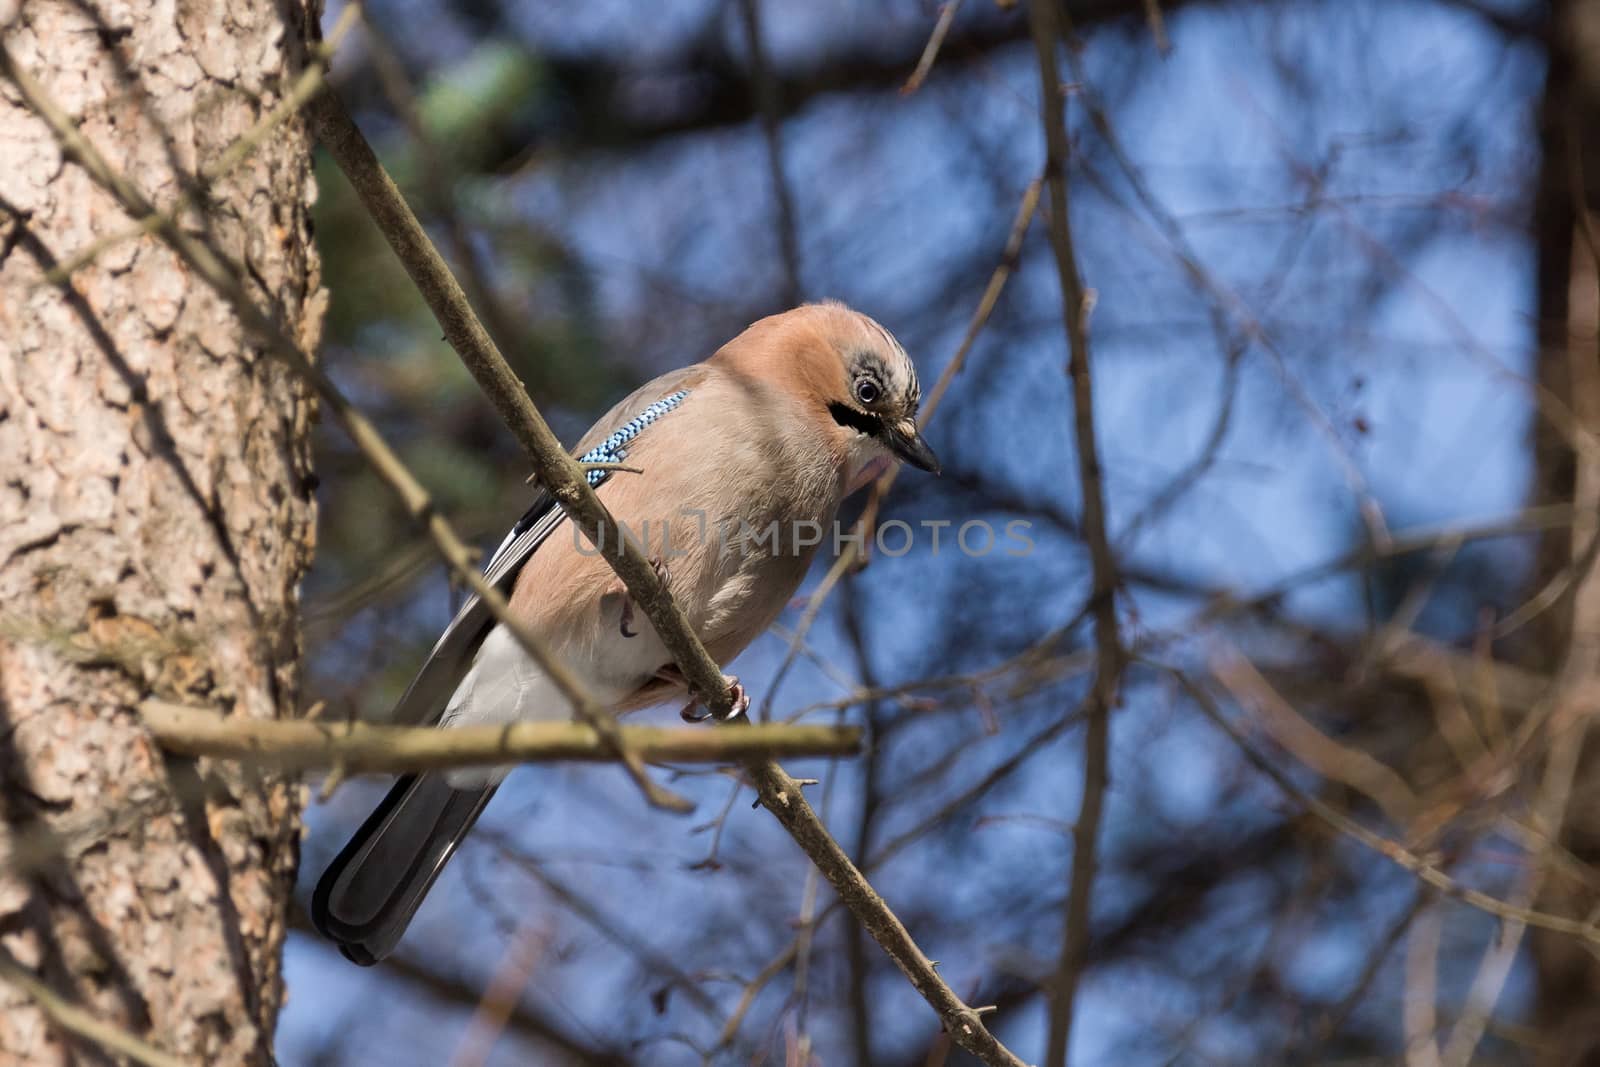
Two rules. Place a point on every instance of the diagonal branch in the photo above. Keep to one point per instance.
(941, 28)
(80, 1021)
(558, 472)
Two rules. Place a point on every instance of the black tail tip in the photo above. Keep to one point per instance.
(358, 954)
(353, 942)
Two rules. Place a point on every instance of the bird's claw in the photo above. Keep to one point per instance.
(695, 710)
(625, 624)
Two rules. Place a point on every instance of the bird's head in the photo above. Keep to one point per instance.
(854, 378)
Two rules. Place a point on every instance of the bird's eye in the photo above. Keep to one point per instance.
(867, 391)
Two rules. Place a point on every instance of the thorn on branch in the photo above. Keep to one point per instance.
(337, 774)
(598, 465)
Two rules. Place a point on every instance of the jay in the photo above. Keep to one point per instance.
(744, 460)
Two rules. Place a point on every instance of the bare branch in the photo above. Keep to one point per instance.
(360, 747)
(1047, 34)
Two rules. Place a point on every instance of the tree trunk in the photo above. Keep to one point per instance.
(155, 521)
(1567, 998)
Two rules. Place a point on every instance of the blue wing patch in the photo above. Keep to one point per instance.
(611, 450)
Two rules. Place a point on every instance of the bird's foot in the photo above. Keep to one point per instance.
(625, 624)
(695, 710)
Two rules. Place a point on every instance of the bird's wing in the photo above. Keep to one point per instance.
(424, 700)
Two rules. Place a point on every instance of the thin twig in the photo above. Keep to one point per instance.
(808, 617)
(1031, 747)
(767, 102)
(1359, 770)
(305, 86)
(1419, 1002)
(1158, 25)
(494, 1009)
(588, 908)
(438, 180)
(752, 988)
(947, 17)
(1330, 1022)
(76, 1020)
(1407, 542)
(986, 304)
(458, 993)
(1250, 325)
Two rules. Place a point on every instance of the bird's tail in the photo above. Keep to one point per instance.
(369, 892)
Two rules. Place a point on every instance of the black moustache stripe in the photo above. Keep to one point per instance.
(845, 415)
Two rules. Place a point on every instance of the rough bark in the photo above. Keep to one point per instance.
(1566, 211)
(155, 520)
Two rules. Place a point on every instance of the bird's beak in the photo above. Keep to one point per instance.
(904, 441)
